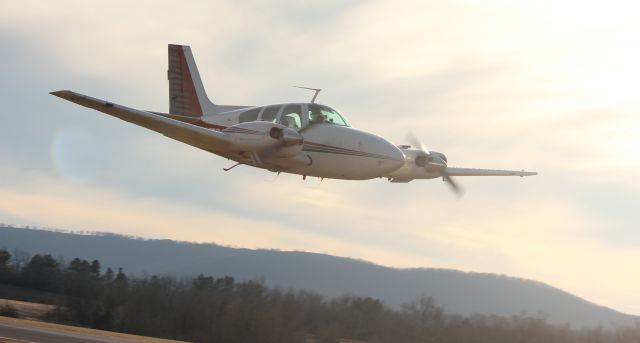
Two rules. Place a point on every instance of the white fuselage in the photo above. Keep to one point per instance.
(328, 151)
(341, 152)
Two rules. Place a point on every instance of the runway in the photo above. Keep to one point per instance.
(23, 331)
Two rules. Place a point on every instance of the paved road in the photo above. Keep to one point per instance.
(20, 332)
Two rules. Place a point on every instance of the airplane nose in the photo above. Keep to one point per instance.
(396, 154)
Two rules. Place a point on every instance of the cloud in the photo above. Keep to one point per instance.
(68, 205)
(504, 85)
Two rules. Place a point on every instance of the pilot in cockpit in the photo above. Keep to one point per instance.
(316, 115)
(288, 121)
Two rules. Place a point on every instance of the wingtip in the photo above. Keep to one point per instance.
(64, 94)
(60, 92)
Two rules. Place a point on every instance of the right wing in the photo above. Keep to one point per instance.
(452, 171)
(213, 141)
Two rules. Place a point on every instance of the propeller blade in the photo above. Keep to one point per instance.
(416, 143)
(281, 141)
(435, 161)
(454, 186)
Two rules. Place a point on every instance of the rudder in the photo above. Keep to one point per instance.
(187, 96)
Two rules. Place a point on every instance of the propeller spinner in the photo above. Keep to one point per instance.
(434, 162)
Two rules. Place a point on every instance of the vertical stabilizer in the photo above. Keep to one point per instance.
(187, 96)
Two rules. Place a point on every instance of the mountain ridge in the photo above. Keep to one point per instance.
(459, 292)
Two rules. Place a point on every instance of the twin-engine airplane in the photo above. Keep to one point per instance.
(308, 139)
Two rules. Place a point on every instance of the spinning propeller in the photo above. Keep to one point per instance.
(284, 138)
(433, 162)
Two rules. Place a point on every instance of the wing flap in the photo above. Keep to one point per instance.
(206, 139)
(487, 172)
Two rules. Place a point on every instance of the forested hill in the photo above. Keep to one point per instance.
(458, 292)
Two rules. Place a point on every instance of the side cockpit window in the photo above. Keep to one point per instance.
(292, 116)
(270, 113)
(250, 115)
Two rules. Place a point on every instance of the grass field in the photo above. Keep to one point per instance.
(30, 315)
(27, 310)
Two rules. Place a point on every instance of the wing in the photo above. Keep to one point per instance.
(213, 141)
(452, 171)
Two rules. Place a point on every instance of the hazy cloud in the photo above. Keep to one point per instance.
(546, 86)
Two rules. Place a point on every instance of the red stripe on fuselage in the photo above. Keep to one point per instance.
(328, 148)
(204, 124)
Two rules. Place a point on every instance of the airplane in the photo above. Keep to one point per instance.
(304, 138)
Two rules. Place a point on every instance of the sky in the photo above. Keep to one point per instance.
(540, 85)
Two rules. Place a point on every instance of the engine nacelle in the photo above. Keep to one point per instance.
(439, 154)
(259, 136)
(287, 136)
(414, 166)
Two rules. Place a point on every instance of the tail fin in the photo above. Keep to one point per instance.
(187, 96)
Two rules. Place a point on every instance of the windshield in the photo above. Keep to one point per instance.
(324, 114)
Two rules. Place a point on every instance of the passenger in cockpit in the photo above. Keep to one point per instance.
(288, 121)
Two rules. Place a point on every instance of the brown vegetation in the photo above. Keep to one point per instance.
(23, 309)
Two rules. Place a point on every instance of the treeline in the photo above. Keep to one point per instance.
(208, 309)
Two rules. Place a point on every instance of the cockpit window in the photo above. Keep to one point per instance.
(324, 114)
(250, 115)
(270, 113)
(292, 116)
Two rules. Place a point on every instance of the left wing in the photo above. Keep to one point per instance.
(452, 171)
(213, 141)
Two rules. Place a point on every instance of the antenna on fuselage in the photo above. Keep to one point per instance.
(315, 95)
